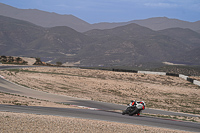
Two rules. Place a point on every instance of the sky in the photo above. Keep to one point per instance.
(95, 11)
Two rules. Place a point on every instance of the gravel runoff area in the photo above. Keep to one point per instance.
(23, 123)
(113, 85)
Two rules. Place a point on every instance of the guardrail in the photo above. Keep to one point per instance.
(196, 82)
(2, 77)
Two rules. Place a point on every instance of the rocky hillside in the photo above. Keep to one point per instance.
(133, 44)
(21, 38)
(127, 45)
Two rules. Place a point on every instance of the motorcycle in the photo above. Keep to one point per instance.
(134, 109)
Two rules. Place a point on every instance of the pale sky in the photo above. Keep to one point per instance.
(95, 11)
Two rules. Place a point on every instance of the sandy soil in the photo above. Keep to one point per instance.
(30, 61)
(15, 122)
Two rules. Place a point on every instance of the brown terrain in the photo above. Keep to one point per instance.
(14, 122)
(158, 91)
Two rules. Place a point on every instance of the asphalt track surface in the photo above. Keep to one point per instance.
(96, 110)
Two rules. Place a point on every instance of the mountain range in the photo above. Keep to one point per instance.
(129, 44)
(47, 19)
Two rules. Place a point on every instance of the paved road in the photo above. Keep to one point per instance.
(8, 87)
(14, 67)
(103, 115)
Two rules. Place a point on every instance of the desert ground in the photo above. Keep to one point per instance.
(158, 91)
(18, 123)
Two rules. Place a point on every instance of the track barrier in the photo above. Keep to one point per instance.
(196, 82)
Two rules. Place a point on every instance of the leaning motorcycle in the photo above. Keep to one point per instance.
(135, 109)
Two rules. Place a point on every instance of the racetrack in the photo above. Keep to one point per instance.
(101, 114)
(104, 115)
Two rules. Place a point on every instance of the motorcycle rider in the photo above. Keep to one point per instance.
(138, 105)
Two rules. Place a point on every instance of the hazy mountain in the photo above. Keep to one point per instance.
(191, 57)
(47, 19)
(59, 42)
(156, 23)
(160, 23)
(44, 19)
(189, 38)
(19, 37)
(128, 45)
(16, 34)
(131, 44)
(186, 36)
